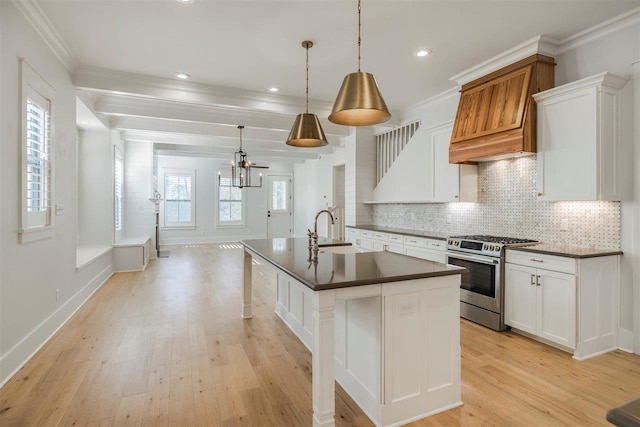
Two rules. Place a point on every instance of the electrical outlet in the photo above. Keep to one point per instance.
(57, 294)
(564, 224)
(448, 219)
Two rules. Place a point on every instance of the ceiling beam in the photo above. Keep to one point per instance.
(170, 110)
(126, 123)
(227, 153)
(120, 82)
(207, 141)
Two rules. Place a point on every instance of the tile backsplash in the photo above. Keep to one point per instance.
(508, 206)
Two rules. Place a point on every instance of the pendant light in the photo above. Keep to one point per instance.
(241, 169)
(359, 102)
(306, 130)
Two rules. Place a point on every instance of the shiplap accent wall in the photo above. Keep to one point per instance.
(507, 205)
(138, 216)
(360, 156)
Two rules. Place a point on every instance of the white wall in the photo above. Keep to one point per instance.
(207, 230)
(95, 188)
(29, 312)
(313, 191)
(615, 52)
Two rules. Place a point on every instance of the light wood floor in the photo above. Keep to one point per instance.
(167, 347)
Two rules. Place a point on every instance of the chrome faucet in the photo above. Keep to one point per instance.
(314, 235)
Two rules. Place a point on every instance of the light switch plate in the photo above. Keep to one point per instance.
(59, 209)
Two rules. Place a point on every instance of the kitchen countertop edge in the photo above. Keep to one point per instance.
(372, 281)
(405, 232)
(567, 251)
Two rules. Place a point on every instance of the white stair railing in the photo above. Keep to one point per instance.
(390, 144)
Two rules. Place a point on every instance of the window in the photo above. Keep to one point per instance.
(179, 205)
(230, 210)
(118, 182)
(279, 196)
(37, 160)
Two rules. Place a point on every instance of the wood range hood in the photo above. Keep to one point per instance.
(496, 115)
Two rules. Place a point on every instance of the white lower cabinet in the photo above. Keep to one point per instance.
(542, 303)
(562, 300)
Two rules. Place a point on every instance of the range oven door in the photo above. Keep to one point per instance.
(481, 286)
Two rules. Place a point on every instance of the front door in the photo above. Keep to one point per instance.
(279, 220)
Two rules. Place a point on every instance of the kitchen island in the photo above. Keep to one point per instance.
(385, 326)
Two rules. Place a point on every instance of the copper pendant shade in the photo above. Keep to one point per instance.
(307, 131)
(359, 102)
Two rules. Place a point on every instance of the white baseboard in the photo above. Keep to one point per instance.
(625, 340)
(21, 353)
(208, 239)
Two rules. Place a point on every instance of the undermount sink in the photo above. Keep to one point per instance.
(342, 249)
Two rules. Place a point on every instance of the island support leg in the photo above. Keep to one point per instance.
(246, 286)
(323, 370)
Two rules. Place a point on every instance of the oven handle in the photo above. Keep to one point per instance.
(471, 258)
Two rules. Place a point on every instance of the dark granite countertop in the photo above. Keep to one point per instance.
(567, 251)
(334, 270)
(405, 231)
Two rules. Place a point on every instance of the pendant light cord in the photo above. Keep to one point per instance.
(359, 38)
(307, 48)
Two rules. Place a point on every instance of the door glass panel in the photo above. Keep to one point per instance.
(279, 196)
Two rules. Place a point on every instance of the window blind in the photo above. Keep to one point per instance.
(38, 156)
(118, 184)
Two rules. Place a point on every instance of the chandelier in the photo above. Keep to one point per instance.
(241, 169)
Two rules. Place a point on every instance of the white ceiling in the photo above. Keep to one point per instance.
(235, 50)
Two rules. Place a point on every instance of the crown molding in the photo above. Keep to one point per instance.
(43, 26)
(600, 30)
(541, 45)
(605, 79)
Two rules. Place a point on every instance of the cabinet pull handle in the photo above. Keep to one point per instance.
(533, 280)
(536, 260)
(538, 280)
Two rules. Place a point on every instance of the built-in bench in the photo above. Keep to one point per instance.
(86, 254)
(131, 253)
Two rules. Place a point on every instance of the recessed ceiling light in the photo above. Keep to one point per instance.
(423, 52)
(182, 76)
(273, 89)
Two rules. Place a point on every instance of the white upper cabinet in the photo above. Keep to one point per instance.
(422, 172)
(580, 149)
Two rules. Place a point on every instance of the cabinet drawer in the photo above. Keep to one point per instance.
(415, 241)
(364, 243)
(397, 238)
(548, 262)
(394, 247)
(366, 233)
(380, 236)
(353, 232)
(428, 254)
(437, 245)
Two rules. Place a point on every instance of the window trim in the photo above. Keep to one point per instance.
(31, 80)
(231, 224)
(172, 225)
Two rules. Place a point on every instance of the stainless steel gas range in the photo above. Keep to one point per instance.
(482, 290)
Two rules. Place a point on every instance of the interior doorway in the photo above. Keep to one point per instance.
(279, 203)
(338, 230)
